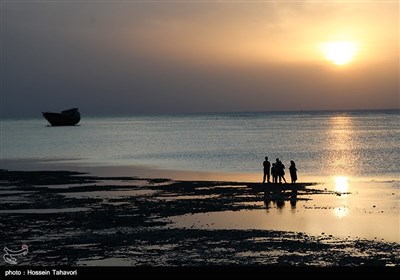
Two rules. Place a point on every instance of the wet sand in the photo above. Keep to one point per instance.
(75, 219)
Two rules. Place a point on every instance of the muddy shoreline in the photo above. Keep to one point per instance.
(75, 219)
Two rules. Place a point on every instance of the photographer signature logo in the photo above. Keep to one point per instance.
(10, 255)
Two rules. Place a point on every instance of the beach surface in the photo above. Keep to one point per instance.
(79, 219)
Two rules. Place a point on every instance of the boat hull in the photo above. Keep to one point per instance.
(59, 119)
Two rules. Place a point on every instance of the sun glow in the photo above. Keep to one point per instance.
(340, 53)
(341, 184)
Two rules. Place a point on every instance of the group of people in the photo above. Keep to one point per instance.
(277, 170)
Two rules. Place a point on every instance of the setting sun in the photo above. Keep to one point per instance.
(340, 53)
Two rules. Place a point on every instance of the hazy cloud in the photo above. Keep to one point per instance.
(138, 57)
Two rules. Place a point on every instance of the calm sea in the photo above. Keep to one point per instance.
(347, 143)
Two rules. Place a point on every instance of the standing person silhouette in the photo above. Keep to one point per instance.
(293, 171)
(267, 166)
(281, 170)
(274, 173)
(277, 170)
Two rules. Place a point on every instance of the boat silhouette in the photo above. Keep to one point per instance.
(66, 117)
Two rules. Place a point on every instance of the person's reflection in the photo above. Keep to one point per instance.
(274, 197)
(280, 199)
(293, 198)
(267, 199)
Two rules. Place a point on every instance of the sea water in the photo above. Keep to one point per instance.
(324, 143)
(333, 145)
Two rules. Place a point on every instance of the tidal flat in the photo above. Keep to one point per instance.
(76, 219)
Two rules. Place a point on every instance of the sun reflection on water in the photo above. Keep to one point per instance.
(340, 212)
(341, 184)
(341, 145)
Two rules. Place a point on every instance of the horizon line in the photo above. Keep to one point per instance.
(213, 112)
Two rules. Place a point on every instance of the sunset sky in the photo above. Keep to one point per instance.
(128, 57)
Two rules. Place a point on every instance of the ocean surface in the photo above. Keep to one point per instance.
(343, 143)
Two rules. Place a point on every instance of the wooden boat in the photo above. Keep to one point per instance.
(66, 117)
